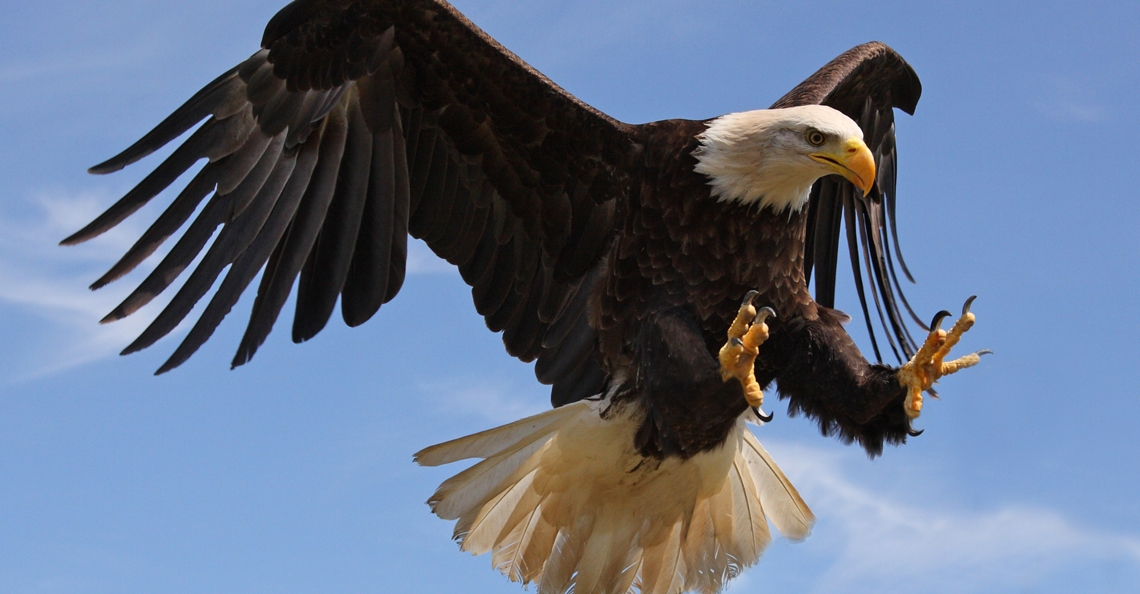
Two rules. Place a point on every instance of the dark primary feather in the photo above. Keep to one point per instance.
(324, 274)
(172, 168)
(168, 222)
(266, 181)
(367, 282)
(294, 176)
(203, 104)
(294, 248)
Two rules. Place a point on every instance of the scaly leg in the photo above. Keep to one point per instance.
(928, 364)
(738, 355)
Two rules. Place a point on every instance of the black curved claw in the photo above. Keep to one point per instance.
(737, 342)
(748, 298)
(969, 302)
(937, 321)
(984, 352)
(764, 314)
(760, 415)
(911, 430)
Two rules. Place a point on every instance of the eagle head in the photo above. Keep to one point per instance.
(771, 157)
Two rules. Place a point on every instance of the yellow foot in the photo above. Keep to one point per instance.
(738, 355)
(928, 364)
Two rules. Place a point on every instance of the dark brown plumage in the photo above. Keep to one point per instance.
(361, 122)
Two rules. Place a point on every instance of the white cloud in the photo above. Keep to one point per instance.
(1064, 98)
(49, 282)
(1073, 111)
(882, 541)
(64, 63)
(495, 403)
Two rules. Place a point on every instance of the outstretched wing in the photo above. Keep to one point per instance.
(866, 83)
(358, 124)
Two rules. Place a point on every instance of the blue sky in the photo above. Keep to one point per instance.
(294, 473)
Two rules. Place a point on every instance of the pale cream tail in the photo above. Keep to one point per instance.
(561, 499)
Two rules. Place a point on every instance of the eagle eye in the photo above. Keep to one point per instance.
(815, 137)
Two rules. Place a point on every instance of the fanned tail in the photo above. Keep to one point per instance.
(562, 500)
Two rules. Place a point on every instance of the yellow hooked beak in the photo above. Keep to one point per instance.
(854, 162)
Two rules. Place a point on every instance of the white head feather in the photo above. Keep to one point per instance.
(761, 157)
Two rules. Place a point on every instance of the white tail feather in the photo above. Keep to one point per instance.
(610, 553)
(558, 572)
(529, 528)
(630, 572)
(782, 504)
(489, 524)
(563, 500)
(474, 486)
(752, 533)
(492, 441)
(705, 557)
(663, 566)
(597, 557)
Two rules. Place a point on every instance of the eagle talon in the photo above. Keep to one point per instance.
(928, 365)
(939, 317)
(969, 302)
(760, 415)
(738, 355)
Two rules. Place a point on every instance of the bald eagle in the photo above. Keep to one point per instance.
(657, 273)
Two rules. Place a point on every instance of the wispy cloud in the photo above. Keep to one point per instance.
(1063, 98)
(50, 283)
(77, 60)
(1072, 111)
(496, 403)
(885, 541)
